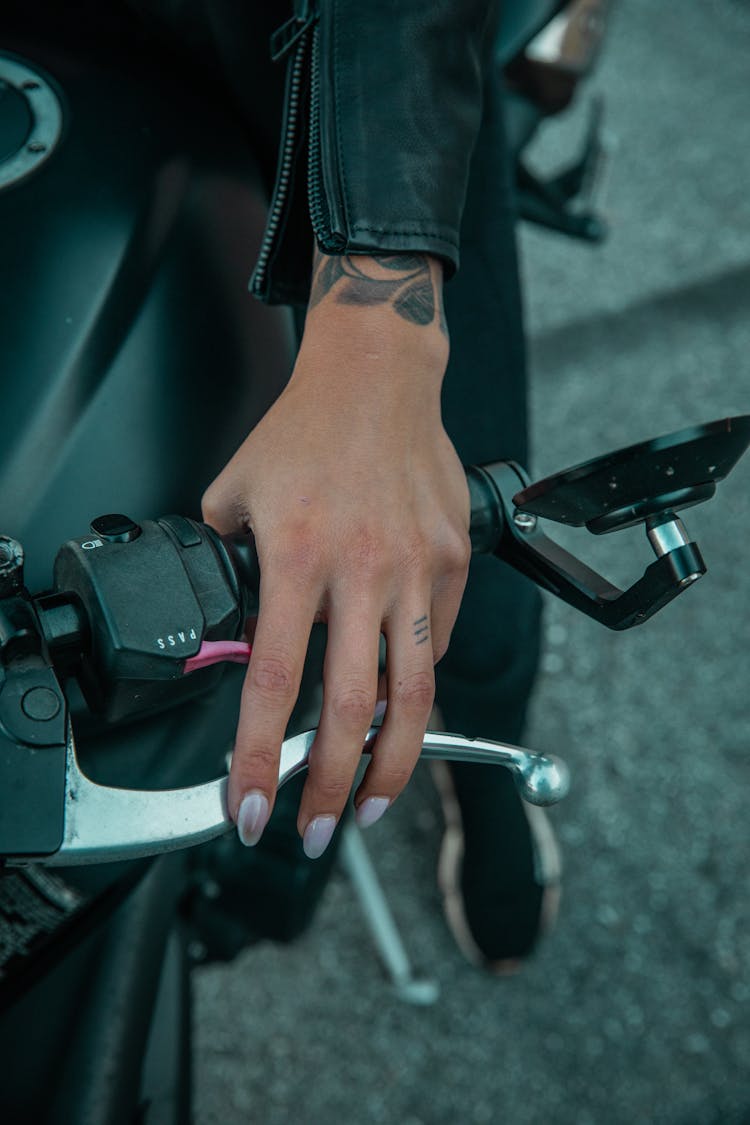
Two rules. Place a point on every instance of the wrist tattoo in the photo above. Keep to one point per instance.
(403, 281)
(421, 630)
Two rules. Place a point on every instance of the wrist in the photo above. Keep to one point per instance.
(383, 312)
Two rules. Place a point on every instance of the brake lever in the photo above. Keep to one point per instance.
(104, 824)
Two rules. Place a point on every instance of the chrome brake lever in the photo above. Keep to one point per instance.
(104, 824)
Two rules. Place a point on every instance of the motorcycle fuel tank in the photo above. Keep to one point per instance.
(133, 359)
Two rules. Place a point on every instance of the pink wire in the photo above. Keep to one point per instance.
(213, 652)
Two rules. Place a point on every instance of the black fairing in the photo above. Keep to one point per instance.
(133, 362)
(133, 359)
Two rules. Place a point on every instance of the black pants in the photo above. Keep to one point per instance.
(484, 681)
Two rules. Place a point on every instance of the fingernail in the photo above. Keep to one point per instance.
(371, 810)
(252, 818)
(318, 835)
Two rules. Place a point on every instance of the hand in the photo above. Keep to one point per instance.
(359, 507)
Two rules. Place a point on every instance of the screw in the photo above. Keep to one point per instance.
(689, 579)
(40, 704)
(30, 84)
(36, 146)
(524, 521)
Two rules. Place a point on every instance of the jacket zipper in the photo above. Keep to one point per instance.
(320, 215)
(295, 33)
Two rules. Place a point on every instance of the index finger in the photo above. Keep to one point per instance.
(269, 693)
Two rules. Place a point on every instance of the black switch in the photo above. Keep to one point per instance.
(185, 531)
(115, 528)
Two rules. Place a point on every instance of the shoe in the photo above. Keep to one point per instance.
(499, 867)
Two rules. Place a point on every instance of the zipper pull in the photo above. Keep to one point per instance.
(289, 34)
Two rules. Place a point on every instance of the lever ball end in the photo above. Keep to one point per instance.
(544, 781)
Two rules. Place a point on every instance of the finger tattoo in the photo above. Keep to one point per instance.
(421, 630)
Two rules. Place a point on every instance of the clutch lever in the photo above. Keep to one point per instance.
(104, 824)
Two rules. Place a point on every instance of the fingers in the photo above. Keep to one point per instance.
(417, 627)
(271, 687)
(411, 692)
(349, 698)
(416, 638)
(288, 608)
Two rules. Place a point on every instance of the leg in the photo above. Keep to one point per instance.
(485, 680)
(486, 677)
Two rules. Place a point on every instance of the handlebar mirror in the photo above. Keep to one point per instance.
(645, 483)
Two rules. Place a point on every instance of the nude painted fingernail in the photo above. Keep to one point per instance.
(318, 835)
(252, 818)
(371, 810)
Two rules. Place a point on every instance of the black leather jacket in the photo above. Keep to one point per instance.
(383, 105)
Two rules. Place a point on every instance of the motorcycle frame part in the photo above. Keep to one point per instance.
(115, 1041)
(126, 321)
(566, 202)
(542, 70)
(564, 51)
(520, 22)
(127, 328)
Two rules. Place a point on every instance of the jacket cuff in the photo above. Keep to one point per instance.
(385, 98)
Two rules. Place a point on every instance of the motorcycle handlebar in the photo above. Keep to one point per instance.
(194, 591)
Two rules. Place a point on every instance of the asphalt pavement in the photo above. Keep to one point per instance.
(637, 1008)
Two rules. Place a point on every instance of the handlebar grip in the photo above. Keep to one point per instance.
(486, 524)
(486, 519)
(243, 556)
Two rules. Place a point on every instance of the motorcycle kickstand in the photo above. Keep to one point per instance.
(381, 923)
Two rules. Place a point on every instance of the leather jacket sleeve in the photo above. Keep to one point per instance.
(382, 109)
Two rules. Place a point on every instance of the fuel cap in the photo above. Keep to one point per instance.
(16, 120)
(31, 119)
